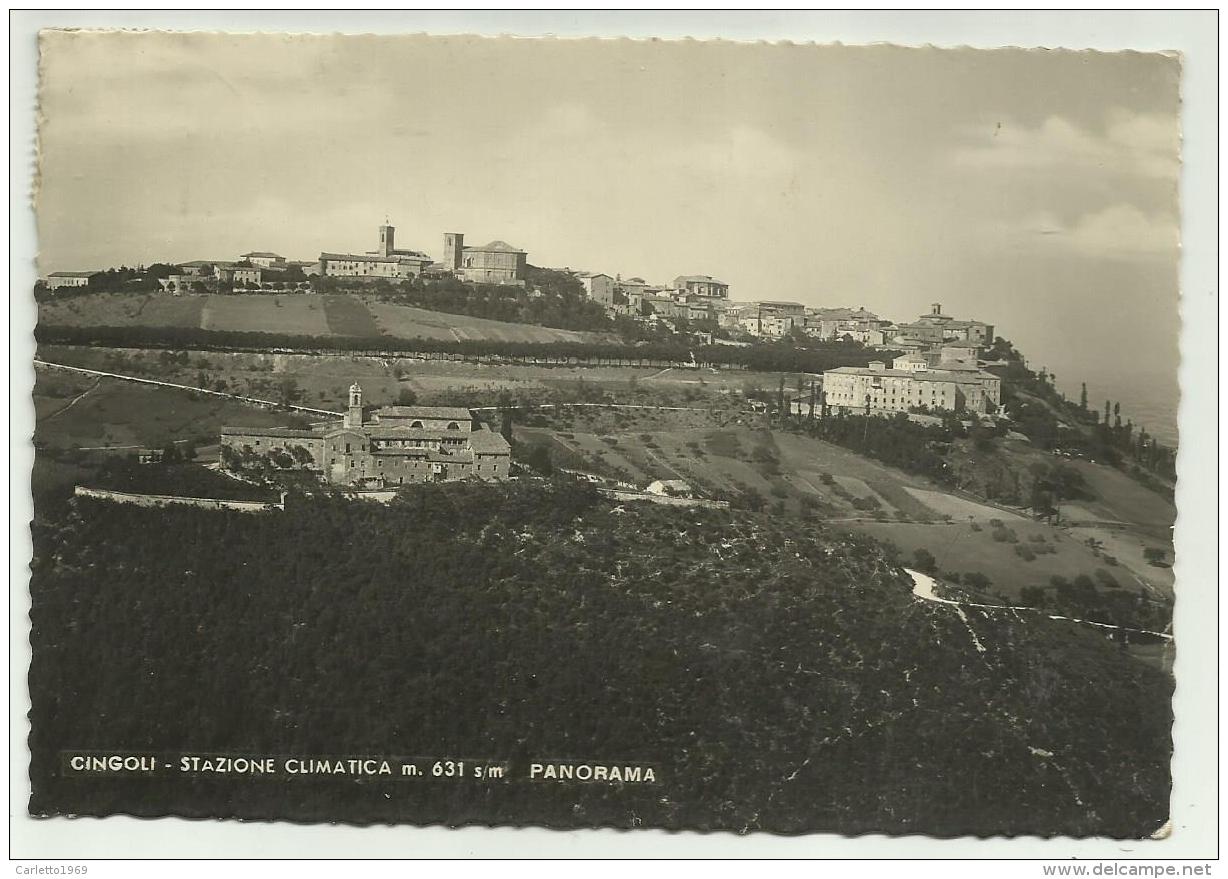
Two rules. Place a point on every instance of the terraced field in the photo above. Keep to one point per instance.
(407, 322)
(299, 313)
(797, 475)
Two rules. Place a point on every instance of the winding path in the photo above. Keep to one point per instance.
(923, 588)
(75, 400)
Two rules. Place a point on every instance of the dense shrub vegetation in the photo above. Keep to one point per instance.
(182, 480)
(1050, 420)
(777, 675)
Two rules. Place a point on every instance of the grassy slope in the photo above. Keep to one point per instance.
(299, 313)
(118, 413)
(714, 452)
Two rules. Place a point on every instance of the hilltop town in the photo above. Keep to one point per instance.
(699, 304)
(938, 352)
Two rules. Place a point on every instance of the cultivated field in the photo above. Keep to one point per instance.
(76, 412)
(296, 313)
(124, 310)
(715, 444)
(408, 323)
(299, 315)
(322, 381)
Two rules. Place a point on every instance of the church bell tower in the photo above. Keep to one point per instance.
(387, 239)
(353, 415)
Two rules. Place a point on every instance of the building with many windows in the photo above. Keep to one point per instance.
(386, 447)
(265, 259)
(56, 280)
(387, 262)
(877, 390)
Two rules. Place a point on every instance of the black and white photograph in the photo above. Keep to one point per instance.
(687, 435)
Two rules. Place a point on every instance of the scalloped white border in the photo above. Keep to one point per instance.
(1195, 819)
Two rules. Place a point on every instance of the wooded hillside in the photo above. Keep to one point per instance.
(780, 676)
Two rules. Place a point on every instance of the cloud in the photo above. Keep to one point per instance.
(1120, 232)
(737, 152)
(1134, 144)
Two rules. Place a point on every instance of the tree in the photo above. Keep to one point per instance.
(1032, 596)
(407, 397)
(1083, 397)
(506, 427)
(925, 561)
(230, 459)
(170, 454)
(289, 389)
(752, 500)
(537, 457)
(1155, 555)
(977, 580)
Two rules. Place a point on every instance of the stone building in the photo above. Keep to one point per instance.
(265, 259)
(387, 262)
(878, 390)
(56, 280)
(836, 323)
(599, 287)
(701, 285)
(935, 328)
(386, 447)
(246, 275)
(495, 263)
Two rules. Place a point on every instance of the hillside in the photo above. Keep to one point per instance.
(778, 675)
(305, 314)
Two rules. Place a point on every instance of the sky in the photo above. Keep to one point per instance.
(1035, 190)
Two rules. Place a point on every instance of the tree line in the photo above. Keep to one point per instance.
(1033, 401)
(773, 357)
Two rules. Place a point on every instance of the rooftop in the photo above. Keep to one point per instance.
(264, 253)
(359, 257)
(405, 254)
(73, 274)
(925, 375)
(501, 246)
(375, 431)
(858, 313)
(452, 413)
(672, 484)
(488, 441)
(280, 432)
(701, 279)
